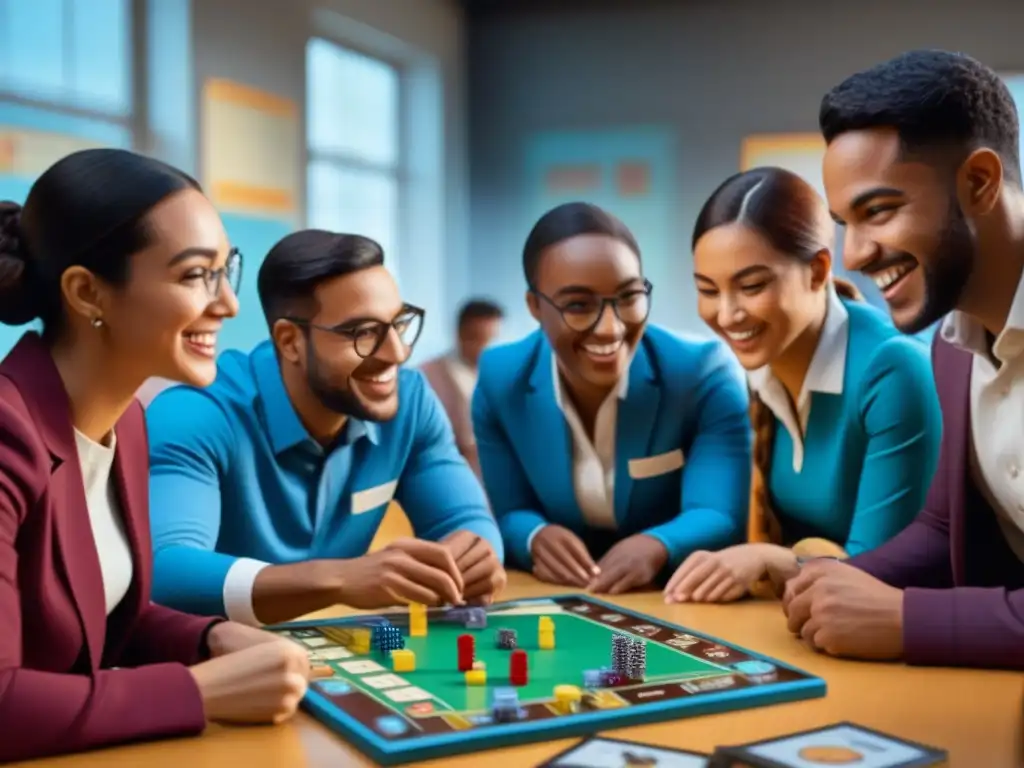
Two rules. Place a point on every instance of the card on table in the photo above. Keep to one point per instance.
(833, 745)
(599, 752)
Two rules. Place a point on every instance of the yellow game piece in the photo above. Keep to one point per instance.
(403, 660)
(417, 620)
(476, 677)
(545, 622)
(567, 698)
(546, 639)
(479, 665)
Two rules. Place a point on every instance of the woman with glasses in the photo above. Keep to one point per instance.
(845, 413)
(126, 264)
(611, 449)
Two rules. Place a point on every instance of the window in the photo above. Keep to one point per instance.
(69, 52)
(354, 174)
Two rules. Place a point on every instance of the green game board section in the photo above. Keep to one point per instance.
(579, 645)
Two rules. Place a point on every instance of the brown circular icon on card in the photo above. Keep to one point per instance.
(830, 755)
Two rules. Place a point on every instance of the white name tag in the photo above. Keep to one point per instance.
(652, 466)
(372, 498)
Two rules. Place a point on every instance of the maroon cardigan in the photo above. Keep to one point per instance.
(963, 602)
(60, 688)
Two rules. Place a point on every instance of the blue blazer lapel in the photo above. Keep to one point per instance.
(552, 449)
(634, 426)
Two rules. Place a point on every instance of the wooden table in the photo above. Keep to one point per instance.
(976, 715)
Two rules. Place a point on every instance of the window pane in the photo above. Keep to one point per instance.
(352, 104)
(32, 47)
(99, 55)
(357, 202)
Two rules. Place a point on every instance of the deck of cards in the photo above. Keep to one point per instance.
(834, 745)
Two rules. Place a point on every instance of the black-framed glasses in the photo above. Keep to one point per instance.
(214, 279)
(582, 312)
(368, 336)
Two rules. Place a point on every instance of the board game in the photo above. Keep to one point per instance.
(418, 684)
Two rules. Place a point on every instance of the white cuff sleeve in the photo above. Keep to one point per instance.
(238, 591)
(529, 539)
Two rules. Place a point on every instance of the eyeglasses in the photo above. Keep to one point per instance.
(582, 313)
(368, 336)
(231, 271)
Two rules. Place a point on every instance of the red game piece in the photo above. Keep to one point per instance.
(517, 674)
(467, 646)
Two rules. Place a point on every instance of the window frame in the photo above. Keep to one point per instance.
(397, 171)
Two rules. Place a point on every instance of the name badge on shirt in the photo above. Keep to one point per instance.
(373, 498)
(653, 466)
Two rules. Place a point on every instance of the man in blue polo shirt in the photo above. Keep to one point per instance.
(268, 487)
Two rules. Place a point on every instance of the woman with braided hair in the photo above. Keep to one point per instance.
(844, 411)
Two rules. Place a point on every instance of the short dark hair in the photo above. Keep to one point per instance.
(934, 100)
(571, 220)
(479, 309)
(302, 261)
(88, 209)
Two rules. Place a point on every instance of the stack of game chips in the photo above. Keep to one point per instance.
(636, 659)
(387, 638)
(620, 652)
(505, 705)
(507, 639)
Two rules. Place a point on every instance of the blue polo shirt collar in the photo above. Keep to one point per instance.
(281, 422)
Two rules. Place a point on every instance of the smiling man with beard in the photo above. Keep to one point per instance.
(268, 487)
(923, 169)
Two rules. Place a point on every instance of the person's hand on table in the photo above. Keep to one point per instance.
(262, 683)
(631, 563)
(727, 575)
(560, 557)
(482, 572)
(230, 637)
(840, 610)
(405, 571)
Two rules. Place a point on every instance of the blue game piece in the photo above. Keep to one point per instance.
(505, 705)
(387, 638)
(334, 687)
(476, 618)
(390, 725)
(592, 678)
(754, 667)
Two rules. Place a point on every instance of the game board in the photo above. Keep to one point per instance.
(432, 711)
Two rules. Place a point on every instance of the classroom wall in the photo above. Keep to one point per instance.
(261, 43)
(179, 46)
(705, 73)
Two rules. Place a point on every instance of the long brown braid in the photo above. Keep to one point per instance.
(762, 523)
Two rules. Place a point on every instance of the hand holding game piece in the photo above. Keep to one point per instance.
(405, 571)
(263, 683)
(633, 562)
(727, 575)
(560, 557)
(482, 572)
(843, 611)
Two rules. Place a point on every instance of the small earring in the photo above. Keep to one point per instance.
(97, 322)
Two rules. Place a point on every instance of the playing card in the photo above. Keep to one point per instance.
(597, 752)
(837, 744)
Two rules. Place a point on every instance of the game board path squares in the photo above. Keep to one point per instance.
(688, 643)
(381, 682)
(460, 719)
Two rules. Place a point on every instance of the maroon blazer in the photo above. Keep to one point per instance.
(456, 405)
(70, 678)
(963, 601)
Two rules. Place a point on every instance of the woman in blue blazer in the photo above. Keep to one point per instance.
(844, 409)
(610, 449)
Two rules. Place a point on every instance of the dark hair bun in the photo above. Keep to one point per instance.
(17, 305)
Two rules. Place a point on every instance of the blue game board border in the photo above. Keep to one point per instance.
(386, 752)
